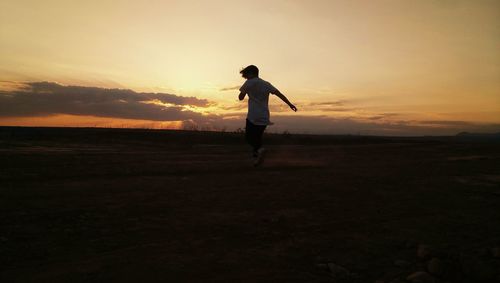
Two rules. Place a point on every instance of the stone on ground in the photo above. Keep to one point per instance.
(435, 266)
(420, 277)
(424, 251)
(338, 271)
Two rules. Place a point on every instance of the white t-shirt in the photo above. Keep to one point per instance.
(258, 91)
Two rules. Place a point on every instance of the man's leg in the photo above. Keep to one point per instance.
(251, 135)
(261, 152)
(259, 131)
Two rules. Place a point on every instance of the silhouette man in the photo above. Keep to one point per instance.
(258, 91)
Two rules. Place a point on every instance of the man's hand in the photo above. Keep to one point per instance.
(293, 107)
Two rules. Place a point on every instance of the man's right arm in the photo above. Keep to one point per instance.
(243, 90)
(242, 95)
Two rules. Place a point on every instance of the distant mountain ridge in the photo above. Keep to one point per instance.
(467, 134)
(478, 137)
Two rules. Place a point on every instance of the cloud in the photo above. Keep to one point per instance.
(237, 106)
(230, 88)
(328, 103)
(382, 116)
(277, 106)
(323, 106)
(47, 98)
(445, 123)
(336, 109)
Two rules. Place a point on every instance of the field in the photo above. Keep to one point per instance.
(100, 205)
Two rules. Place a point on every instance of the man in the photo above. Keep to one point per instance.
(258, 91)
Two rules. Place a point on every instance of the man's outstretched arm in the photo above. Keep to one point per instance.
(241, 96)
(283, 97)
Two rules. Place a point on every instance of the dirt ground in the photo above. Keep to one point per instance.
(80, 208)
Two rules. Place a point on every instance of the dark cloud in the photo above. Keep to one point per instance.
(46, 98)
(230, 88)
(238, 106)
(382, 116)
(445, 123)
(327, 106)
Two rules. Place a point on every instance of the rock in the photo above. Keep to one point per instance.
(424, 251)
(420, 277)
(479, 270)
(466, 264)
(323, 266)
(338, 271)
(451, 270)
(484, 253)
(411, 244)
(495, 252)
(485, 271)
(401, 263)
(354, 276)
(435, 266)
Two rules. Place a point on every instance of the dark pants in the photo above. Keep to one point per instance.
(253, 135)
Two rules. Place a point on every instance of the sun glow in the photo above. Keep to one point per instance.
(374, 61)
(63, 120)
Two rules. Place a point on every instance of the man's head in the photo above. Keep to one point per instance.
(250, 72)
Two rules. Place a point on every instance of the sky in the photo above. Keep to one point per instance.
(381, 67)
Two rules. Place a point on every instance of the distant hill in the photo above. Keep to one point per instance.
(188, 138)
(185, 137)
(467, 134)
(478, 136)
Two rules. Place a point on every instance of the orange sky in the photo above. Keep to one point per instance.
(376, 62)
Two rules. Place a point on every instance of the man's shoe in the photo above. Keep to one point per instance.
(261, 154)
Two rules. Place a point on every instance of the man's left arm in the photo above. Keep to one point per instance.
(283, 97)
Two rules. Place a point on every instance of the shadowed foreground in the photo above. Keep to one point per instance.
(90, 205)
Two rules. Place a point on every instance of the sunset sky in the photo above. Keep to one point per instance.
(385, 67)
